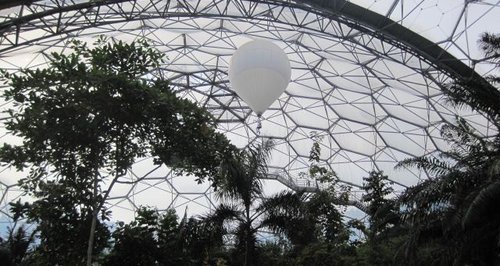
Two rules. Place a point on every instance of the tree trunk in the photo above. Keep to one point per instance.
(95, 212)
(247, 234)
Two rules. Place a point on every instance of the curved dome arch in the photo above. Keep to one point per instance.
(366, 84)
(50, 15)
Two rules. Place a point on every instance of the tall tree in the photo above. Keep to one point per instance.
(381, 210)
(455, 214)
(240, 184)
(86, 118)
(383, 228)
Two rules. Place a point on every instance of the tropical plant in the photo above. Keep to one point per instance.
(86, 118)
(382, 231)
(201, 243)
(244, 211)
(274, 253)
(135, 243)
(15, 249)
(312, 222)
(453, 217)
(288, 215)
(155, 238)
(240, 185)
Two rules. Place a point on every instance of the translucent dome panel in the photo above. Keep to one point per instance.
(372, 98)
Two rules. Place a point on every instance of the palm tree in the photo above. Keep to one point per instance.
(288, 214)
(302, 218)
(240, 183)
(455, 214)
(305, 219)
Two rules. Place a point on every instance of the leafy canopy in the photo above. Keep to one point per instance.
(88, 116)
(92, 110)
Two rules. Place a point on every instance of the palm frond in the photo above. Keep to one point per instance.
(477, 94)
(462, 134)
(280, 209)
(232, 176)
(285, 201)
(430, 164)
(432, 198)
(216, 224)
(469, 149)
(484, 205)
(287, 213)
(259, 156)
(246, 240)
(490, 44)
(240, 176)
(223, 213)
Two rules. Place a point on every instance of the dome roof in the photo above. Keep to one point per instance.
(366, 78)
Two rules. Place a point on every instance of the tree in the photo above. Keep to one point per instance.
(453, 217)
(200, 242)
(383, 230)
(240, 182)
(15, 249)
(288, 214)
(159, 238)
(86, 118)
(285, 213)
(377, 188)
(313, 223)
(323, 208)
(136, 243)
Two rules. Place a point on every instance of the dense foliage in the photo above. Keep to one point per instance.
(85, 119)
(453, 219)
(450, 219)
(160, 238)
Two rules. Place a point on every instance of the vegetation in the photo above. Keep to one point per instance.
(86, 118)
(450, 219)
(159, 238)
(241, 184)
(15, 248)
(454, 217)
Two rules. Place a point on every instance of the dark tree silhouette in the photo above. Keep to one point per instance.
(454, 217)
(86, 118)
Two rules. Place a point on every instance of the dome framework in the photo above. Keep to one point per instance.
(365, 79)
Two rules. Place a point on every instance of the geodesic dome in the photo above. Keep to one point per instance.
(366, 79)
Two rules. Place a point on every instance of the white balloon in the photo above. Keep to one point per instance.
(259, 72)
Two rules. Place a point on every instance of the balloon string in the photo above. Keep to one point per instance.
(259, 124)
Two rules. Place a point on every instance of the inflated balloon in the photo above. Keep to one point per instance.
(259, 72)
